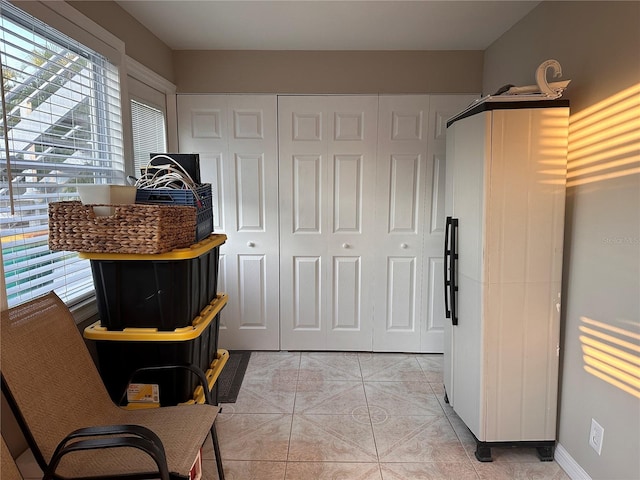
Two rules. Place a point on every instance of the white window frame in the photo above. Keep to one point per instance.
(146, 86)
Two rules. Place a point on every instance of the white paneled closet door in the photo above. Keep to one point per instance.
(441, 108)
(401, 194)
(236, 137)
(327, 148)
(409, 238)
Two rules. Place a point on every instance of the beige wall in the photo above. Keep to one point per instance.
(140, 43)
(598, 46)
(328, 71)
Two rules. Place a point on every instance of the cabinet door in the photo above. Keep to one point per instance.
(327, 180)
(467, 143)
(236, 137)
(470, 177)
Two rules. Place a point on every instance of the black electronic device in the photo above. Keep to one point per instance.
(189, 161)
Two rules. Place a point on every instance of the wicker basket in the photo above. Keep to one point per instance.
(131, 229)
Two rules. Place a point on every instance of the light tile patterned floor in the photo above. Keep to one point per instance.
(350, 416)
(354, 416)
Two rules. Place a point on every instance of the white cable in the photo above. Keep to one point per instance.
(168, 177)
(161, 155)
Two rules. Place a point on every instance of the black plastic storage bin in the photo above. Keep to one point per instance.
(202, 199)
(165, 291)
(120, 353)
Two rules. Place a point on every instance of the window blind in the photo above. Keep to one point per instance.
(63, 126)
(148, 126)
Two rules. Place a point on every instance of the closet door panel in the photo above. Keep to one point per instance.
(404, 184)
(307, 291)
(401, 293)
(250, 192)
(202, 129)
(327, 176)
(236, 137)
(252, 163)
(252, 277)
(211, 169)
(347, 292)
(400, 203)
(307, 194)
(302, 189)
(347, 188)
(337, 208)
(353, 127)
(441, 108)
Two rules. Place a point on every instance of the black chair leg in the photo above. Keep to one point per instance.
(216, 451)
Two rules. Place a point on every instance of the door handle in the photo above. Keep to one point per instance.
(251, 244)
(453, 271)
(447, 231)
(403, 245)
(346, 245)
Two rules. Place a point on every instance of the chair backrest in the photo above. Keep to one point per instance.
(49, 373)
(8, 468)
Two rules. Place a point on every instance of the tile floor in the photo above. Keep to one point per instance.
(354, 416)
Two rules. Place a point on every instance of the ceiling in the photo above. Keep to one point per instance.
(328, 24)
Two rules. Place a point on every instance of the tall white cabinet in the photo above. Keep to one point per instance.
(505, 195)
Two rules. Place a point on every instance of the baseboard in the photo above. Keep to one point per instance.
(569, 465)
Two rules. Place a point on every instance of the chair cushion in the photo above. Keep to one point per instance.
(182, 429)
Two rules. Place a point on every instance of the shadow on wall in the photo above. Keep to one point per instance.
(604, 143)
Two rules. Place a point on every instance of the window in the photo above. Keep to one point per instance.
(62, 122)
(148, 133)
(152, 107)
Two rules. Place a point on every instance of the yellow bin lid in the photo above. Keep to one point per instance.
(136, 334)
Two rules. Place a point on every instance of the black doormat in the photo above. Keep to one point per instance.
(230, 379)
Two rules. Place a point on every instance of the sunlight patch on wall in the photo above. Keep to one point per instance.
(611, 354)
(604, 139)
(552, 153)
